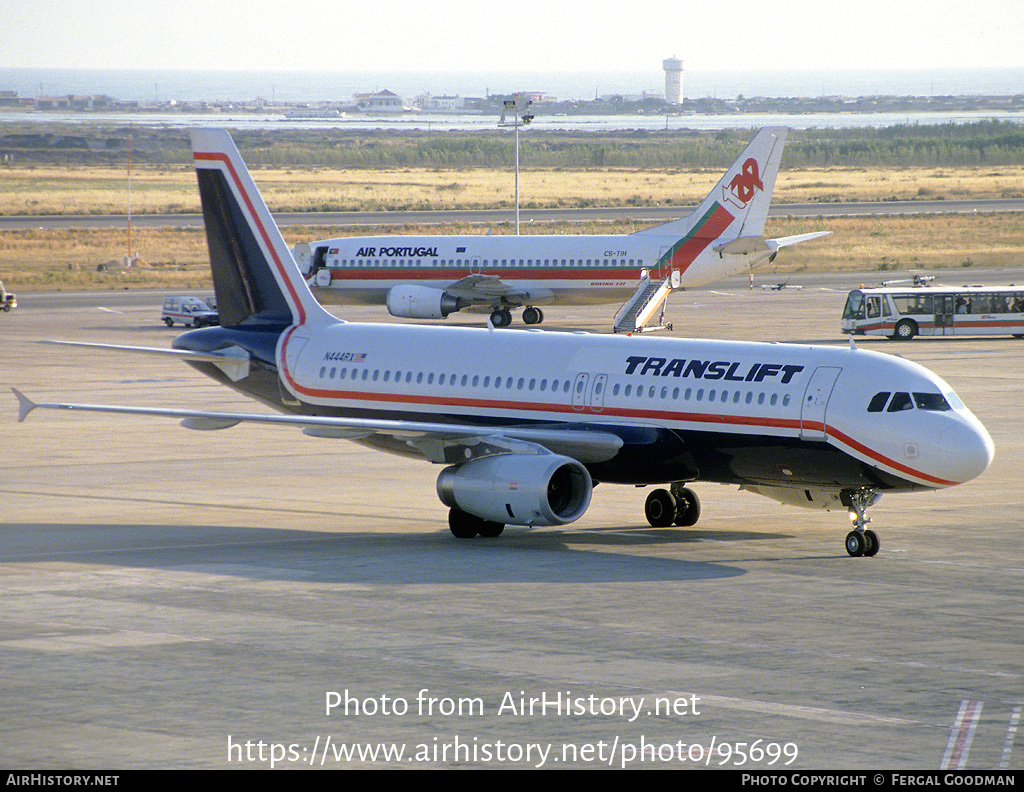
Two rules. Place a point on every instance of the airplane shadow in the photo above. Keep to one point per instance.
(518, 556)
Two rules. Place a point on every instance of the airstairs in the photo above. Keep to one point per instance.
(638, 310)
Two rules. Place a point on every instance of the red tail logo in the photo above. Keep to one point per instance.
(744, 184)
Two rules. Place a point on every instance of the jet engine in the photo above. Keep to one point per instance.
(421, 302)
(518, 489)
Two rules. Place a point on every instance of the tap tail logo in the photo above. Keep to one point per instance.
(744, 185)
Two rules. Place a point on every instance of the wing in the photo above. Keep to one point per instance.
(436, 441)
(483, 288)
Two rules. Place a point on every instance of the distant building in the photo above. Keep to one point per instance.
(442, 104)
(673, 80)
(381, 102)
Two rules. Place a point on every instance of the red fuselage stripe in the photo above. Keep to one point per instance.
(711, 420)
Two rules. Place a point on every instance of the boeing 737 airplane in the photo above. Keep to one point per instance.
(525, 423)
(430, 277)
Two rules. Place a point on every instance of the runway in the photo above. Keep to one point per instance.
(178, 599)
(647, 214)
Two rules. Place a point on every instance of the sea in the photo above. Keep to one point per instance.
(298, 86)
(168, 87)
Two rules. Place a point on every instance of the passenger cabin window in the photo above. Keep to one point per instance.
(914, 304)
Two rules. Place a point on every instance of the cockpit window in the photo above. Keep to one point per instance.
(935, 402)
(900, 402)
(931, 401)
(878, 401)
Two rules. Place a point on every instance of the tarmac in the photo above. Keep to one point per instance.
(256, 598)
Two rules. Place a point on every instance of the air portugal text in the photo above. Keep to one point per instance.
(711, 369)
(397, 252)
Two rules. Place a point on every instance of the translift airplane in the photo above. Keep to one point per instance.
(430, 277)
(526, 422)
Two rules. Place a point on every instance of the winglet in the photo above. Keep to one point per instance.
(25, 405)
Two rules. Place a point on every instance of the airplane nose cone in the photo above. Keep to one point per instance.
(972, 451)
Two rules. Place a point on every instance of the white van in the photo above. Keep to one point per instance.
(189, 311)
(7, 300)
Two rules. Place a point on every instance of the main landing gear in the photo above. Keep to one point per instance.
(678, 504)
(502, 317)
(466, 526)
(860, 541)
(532, 316)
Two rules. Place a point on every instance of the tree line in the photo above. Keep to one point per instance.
(981, 143)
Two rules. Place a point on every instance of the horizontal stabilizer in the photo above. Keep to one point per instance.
(25, 405)
(743, 246)
(233, 360)
(796, 240)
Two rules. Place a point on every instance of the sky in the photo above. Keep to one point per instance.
(522, 36)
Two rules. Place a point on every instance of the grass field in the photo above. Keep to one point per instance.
(97, 190)
(177, 259)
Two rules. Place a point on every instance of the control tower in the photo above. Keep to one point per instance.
(673, 80)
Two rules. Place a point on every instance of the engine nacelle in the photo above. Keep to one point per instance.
(518, 489)
(421, 302)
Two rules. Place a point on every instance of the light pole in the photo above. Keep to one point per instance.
(519, 107)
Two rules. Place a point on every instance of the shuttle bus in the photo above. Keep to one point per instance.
(935, 310)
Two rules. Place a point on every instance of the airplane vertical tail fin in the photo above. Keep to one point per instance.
(738, 204)
(746, 188)
(254, 275)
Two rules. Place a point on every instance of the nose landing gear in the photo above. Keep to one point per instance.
(860, 541)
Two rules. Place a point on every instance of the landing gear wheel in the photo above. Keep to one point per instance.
(501, 318)
(687, 507)
(532, 316)
(860, 541)
(462, 525)
(491, 529)
(466, 526)
(660, 508)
